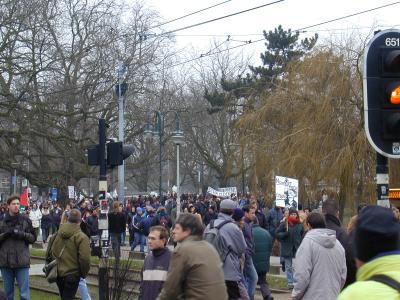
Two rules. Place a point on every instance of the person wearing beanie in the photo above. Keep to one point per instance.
(377, 252)
(238, 214)
(234, 238)
(290, 233)
(137, 231)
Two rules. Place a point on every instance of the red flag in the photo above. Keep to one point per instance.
(24, 197)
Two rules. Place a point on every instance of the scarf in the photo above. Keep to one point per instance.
(292, 220)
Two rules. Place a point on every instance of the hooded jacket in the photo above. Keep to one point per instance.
(235, 239)
(365, 289)
(75, 260)
(332, 222)
(319, 267)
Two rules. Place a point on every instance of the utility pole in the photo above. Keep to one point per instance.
(121, 124)
(103, 221)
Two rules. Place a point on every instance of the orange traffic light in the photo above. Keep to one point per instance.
(395, 95)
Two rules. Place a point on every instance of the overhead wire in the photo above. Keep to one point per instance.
(220, 18)
(235, 47)
(297, 30)
(189, 14)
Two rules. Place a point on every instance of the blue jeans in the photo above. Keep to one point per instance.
(45, 234)
(83, 290)
(123, 236)
(140, 239)
(22, 275)
(289, 269)
(250, 275)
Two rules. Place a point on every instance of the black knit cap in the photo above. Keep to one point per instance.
(377, 231)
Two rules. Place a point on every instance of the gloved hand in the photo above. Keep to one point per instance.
(6, 234)
(9, 231)
(19, 234)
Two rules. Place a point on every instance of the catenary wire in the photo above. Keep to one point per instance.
(219, 18)
(231, 48)
(190, 14)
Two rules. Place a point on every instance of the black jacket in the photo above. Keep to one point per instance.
(333, 223)
(46, 221)
(16, 233)
(262, 219)
(116, 222)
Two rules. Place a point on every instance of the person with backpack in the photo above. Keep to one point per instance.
(136, 231)
(147, 222)
(377, 252)
(228, 240)
(71, 247)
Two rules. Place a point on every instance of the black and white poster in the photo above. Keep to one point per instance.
(287, 192)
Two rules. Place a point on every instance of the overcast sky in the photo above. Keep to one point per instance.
(293, 14)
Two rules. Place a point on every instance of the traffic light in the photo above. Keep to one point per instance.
(93, 155)
(117, 152)
(382, 92)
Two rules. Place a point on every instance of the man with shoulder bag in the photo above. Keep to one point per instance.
(16, 233)
(69, 249)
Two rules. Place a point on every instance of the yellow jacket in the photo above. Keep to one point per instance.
(365, 289)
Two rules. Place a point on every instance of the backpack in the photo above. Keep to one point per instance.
(386, 280)
(212, 235)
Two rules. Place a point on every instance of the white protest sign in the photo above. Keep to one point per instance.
(222, 192)
(286, 191)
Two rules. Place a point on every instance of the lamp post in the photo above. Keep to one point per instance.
(178, 140)
(159, 130)
(120, 91)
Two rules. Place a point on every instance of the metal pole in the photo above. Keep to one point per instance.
(242, 150)
(103, 262)
(121, 123)
(178, 192)
(15, 182)
(160, 178)
(160, 127)
(382, 180)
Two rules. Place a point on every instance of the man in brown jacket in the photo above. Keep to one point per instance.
(72, 249)
(195, 268)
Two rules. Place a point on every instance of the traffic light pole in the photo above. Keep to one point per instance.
(121, 122)
(103, 222)
(382, 180)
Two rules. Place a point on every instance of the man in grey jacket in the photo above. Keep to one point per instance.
(320, 264)
(237, 247)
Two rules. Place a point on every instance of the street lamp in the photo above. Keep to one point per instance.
(158, 130)
(178, 140)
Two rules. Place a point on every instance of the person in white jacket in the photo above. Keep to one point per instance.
(320, 264)
(35, 215)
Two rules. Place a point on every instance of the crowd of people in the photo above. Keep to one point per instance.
(213, 248)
